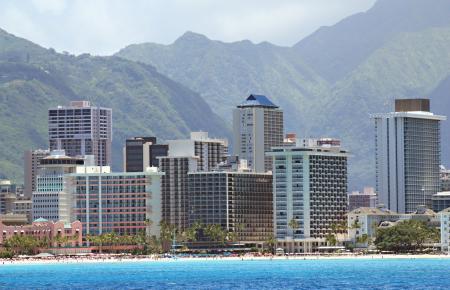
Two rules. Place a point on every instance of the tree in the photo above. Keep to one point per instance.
(331, 239)
(293, 224)
(364, 238)
(216, 233)
(406, 236)
(22, 244)
(271, 242)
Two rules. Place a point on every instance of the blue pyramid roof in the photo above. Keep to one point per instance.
(40, 220)
(257, 101)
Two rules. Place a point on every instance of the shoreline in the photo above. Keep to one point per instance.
(130, 259)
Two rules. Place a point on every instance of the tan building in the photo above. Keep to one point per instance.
(32, 159)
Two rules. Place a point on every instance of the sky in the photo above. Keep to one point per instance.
(103, 27)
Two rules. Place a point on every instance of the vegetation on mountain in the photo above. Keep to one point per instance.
(144, 102)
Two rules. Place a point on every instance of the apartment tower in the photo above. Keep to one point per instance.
(408, 155)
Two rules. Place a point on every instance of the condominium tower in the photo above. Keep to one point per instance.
(309, 191)
(257, 126)
(81, 129)
(408, 155)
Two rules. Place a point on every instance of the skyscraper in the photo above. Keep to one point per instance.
(32, 159)
(407, 153)
(81, 129)
(309, 194)
(257, 126)
(142, 152)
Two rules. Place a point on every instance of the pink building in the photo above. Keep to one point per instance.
(58, 233)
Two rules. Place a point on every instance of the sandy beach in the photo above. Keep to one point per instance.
(131, 259)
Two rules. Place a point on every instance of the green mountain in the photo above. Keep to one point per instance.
(336, 51)
(144, 102)
(329, 82)
(225, 73)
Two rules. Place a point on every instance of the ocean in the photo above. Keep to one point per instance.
(233, 274)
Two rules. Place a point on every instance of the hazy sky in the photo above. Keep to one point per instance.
(105, 26)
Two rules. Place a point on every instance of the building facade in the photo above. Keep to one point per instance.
(257, 127)
(142, 152)
(51, 201)
(53, 232)
(123, 203)
(309, 193)
(209, 151)
(241, 202)
(407, 151)
(32, 159)
(367, 198)
(175, 188)
(365, 221)
(81, 129)
(444, 219)
(445, 179)
(440, 201)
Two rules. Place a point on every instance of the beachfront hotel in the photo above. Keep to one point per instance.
(408, 155)
(257, 127)
(56, 233)
(309, 194)
(239, 201)
(126, 203)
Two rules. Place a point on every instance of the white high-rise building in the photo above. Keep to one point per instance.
(257, 127)
(407, 148)
(310, 192)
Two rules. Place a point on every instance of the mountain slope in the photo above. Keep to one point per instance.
(225, 73)
(335, 51)
(144, 102)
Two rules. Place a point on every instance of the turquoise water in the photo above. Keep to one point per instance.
(276, 274)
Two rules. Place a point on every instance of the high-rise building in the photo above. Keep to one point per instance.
(50, 200)
(123, 203)
(210, 151)
(81, 129)
(367, 198)
(440, 201)
(257, 126)
(407, 152)
(142, 152)
(240, 202)
(309, 194)
(174, 188)
(199, 153)
(32, 159)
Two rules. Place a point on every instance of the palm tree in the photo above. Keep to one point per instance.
(293, 224)
(148, 225)
(331, 239)
(271, 241)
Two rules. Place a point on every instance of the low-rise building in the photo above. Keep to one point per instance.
(363, 222)
(440, 201)
(56, 233)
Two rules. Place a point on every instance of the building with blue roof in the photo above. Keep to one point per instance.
(257, 126)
